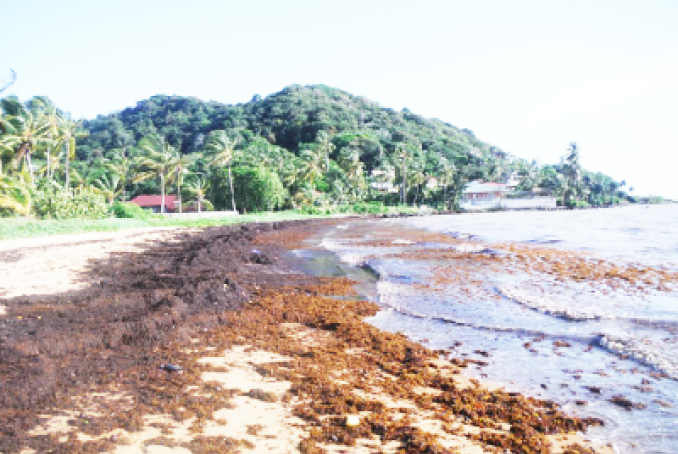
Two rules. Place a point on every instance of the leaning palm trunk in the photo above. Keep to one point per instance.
(230, 182)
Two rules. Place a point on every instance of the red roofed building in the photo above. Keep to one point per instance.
(155, 201)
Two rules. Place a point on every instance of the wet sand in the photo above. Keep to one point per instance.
(268, 359)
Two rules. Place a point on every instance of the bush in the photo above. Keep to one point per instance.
(53, 202)
(369, 208)
(128, 210)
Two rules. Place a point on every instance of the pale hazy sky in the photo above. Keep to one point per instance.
(529, 76)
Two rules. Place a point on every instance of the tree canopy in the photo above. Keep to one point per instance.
(303, 146)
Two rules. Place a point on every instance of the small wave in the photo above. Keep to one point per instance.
(642, 352)
(458, 235)
(549, 306)
(470, 248)
(502, 329)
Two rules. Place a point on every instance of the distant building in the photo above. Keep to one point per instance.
(477, 190)
(488, 196)
(383, 181)
(154, 202)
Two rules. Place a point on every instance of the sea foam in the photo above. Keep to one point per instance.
(550, 306)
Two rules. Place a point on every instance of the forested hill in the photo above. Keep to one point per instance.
(308, 147)
(289, 119)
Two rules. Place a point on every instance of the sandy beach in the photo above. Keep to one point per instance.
(206, 341)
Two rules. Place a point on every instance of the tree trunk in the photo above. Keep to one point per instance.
(30, 164)
(230, 182)
(404, 185)
(49, 176)
(162, 194)
(179, 189)
(68, 168)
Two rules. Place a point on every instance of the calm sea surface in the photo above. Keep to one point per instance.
(574, 342)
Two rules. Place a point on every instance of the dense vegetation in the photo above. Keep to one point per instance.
(313, 148)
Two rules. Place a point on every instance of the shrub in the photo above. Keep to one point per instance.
(53, 202)
(128, 210)
(369, 207)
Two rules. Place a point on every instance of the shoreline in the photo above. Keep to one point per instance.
(207, 222)
(285, 335)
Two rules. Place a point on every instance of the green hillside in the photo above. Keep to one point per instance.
(310, 147)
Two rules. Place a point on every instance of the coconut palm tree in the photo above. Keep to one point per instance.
(158, 159)
(311, 168)
(23, 132)
(110, 185)
(404, 156)
(177, 172)
(196, 188)
(68, 133)
(573, 172)
(220, 150)
(14, 194)
(120, 162)
(325, 148)
(447, 171)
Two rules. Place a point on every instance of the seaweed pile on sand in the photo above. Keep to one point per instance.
(95, 360)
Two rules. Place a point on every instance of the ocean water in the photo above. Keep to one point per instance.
(582, 342)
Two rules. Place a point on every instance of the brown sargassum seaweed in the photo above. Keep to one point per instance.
(219, 289)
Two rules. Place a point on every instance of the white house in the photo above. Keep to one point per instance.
(487, 196)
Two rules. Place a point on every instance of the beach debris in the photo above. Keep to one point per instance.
(625, 403)
(172, 368)
(352, 421)
(260, 394)
(594, 389)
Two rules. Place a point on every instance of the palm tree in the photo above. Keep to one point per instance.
(350, 162)
(177, 172)
(23, 132)
(572, 171)
(311, 169)
(220, 150)
(119, 161)
(14, 194)
(416, 178)
(196, 188)
(110, 185)
(447, 171)
(68, 133)
(404, 157)
(158, 160)
(326, 147)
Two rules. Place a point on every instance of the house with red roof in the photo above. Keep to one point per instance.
(155, 201)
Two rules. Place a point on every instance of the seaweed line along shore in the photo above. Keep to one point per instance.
(211, 341)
